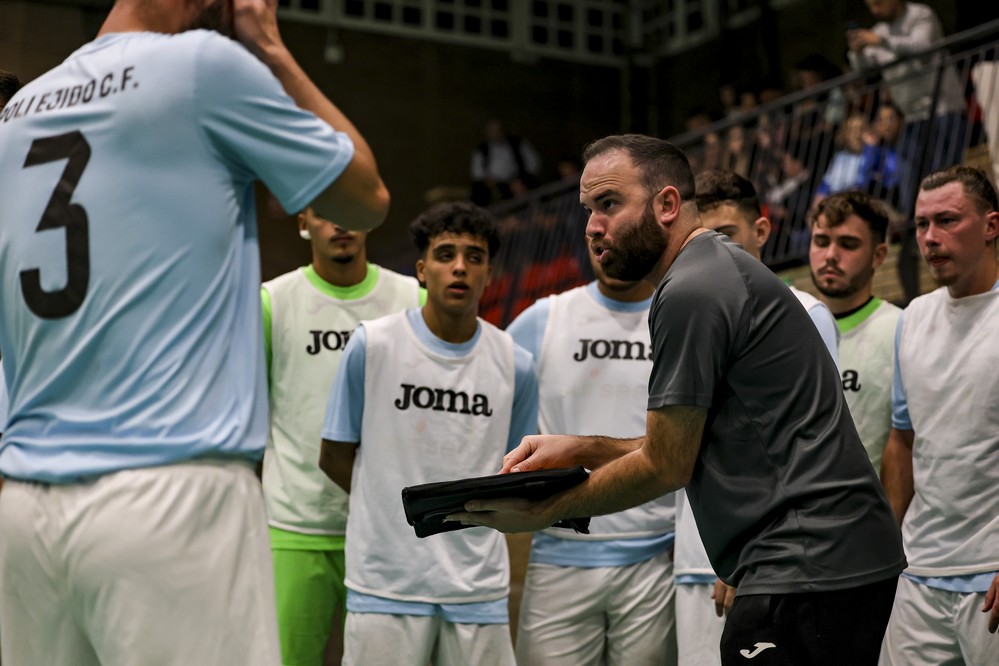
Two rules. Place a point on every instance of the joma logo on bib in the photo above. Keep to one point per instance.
(442, 400)
(851, 380)
(627, 350)
(331, 340)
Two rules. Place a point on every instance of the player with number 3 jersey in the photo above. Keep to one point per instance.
(131, 331)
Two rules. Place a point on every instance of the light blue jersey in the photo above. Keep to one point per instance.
(130, 312)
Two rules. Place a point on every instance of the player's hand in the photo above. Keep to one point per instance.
(724, 596)
(255, 25)
(857, 39)
(507, 515)
(542, 452)
(992, 604)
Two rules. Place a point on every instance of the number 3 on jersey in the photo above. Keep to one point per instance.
(60, 212)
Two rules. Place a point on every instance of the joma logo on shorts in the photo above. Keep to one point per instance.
(627, 350)
(331, 340)
(443, 400)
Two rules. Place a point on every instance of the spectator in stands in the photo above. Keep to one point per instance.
(736, 155)
(503, 166)
(844, 172)
(788, 201)
(848, 245)
(884, 170)
(814, 70)
(9, 84)
(906, 29)
(941, 463)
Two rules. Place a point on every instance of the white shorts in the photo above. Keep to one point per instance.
(166, 565)
(575, 616)
(376, 639)
(931, 627)
(698, 627)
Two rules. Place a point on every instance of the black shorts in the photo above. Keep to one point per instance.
(838, 628)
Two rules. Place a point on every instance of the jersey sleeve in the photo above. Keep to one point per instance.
(693, 329)
(345, 406)
(900, 419)
(528, 329)
(524, 418)
(826, 325)
(260, 131)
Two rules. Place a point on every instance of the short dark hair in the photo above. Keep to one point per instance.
(660, 162)
(837, 207)
(716, 187)
(974, 181)
(9, 85)
(458, 217)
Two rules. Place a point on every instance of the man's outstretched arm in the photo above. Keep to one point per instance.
(662, 462)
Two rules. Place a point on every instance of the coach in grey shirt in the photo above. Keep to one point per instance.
(746, 411)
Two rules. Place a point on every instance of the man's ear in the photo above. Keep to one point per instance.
(991, 227)
(880, 252)
(419, 271)
(666, 205)
(761, 230)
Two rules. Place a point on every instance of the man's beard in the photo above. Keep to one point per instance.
(213, 17)
(638, 250)
(852, 286)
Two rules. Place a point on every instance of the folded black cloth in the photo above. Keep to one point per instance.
(428, 504)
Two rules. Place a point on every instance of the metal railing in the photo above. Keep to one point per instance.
(851, 132)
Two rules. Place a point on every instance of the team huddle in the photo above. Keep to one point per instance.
(775, 477)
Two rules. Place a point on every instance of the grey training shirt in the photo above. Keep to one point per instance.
(784, 496)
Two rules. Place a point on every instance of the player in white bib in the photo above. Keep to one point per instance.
(425, 395)
(848, 245)
(605, 597)
(309, 315)
(132, 526)
(727, 203)
(941, 463)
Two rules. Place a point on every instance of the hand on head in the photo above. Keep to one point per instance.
(255, 25)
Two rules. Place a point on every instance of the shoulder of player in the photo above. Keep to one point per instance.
(711, 268)
(283, 280)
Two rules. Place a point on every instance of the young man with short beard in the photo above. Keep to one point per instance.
(745, 410)
(941, 462)
(848, 245)
(309, 314)
(428, 394)
(132, 525)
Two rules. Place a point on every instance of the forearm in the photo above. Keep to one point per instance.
(896, 471)
(621, 483)
(658, 463)
(336, 460)
(921, 37)
(596, 451)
